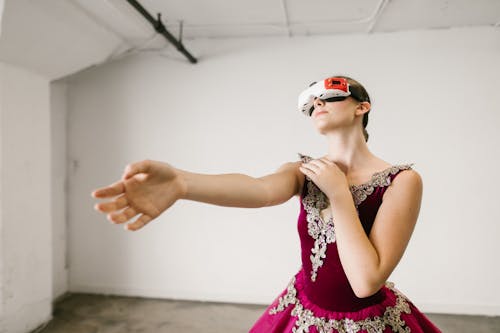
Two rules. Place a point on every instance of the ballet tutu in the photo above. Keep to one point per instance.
(292, 311)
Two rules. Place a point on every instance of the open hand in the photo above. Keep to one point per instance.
(147, 188)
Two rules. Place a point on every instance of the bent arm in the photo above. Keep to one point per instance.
(240, 190)
(368, 261)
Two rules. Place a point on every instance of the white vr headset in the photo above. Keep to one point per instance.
(331, 89)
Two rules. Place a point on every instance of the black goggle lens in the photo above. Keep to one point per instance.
(335, 99)
(331, 99)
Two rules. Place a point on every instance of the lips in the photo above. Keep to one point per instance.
(320, 113)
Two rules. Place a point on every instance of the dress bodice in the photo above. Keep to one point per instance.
(326, 283)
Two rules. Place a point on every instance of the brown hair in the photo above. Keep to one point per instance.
(359, 93)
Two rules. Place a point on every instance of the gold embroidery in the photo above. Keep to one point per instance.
(379, 179)
(306, 318)
(322, 232)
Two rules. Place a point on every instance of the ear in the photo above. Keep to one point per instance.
(363, 107)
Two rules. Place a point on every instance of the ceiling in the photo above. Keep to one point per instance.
(59, 37)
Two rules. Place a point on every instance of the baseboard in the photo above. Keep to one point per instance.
(437, 308)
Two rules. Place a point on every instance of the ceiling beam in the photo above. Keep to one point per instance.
(378, 12)
(160, 28)
(287, 17)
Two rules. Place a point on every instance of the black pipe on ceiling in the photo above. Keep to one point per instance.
(160, 28)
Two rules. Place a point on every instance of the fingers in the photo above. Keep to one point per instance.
(123, 216)
(118, 187)
(305, 169)
(128, 214)
(313, 166)
(319, 163)
(327, 161)
(109, 191)
(117, 204)
(135, 168)
(139, 223)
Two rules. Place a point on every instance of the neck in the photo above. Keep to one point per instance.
(348, 149)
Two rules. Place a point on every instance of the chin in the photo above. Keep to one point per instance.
(323, 129)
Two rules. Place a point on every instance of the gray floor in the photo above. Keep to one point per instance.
(85, 313)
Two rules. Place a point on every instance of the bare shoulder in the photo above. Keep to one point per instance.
(293, 167)
(408, 182)
(408, 175)
(300, 177)
(282, 184)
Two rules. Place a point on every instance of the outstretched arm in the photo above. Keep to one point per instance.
(239, 190)
(148, 188)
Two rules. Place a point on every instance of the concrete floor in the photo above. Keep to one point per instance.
(86, 313)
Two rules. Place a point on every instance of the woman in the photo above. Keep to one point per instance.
(357, 215)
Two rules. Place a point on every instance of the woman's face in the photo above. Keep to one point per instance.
(328, 116)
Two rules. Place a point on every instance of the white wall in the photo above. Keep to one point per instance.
(58, 109)
(2, 3)
(25, 220)
(435, 103)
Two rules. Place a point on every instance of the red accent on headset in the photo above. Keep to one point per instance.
(338, 83)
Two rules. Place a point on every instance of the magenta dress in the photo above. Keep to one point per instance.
(319, 298)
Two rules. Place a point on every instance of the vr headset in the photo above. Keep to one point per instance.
(330, 90)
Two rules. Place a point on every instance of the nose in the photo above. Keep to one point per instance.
(318, 102)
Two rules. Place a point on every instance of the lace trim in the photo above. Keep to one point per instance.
(315, 201)
(322, 232)
(379, 179)
(306, 318)
(362, 191)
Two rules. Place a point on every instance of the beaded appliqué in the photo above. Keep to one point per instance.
(315, 201)
(306, 318)
(322, 232)
(362, 191)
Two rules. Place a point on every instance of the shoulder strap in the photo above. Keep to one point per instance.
(304, 159)
(398, 168)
